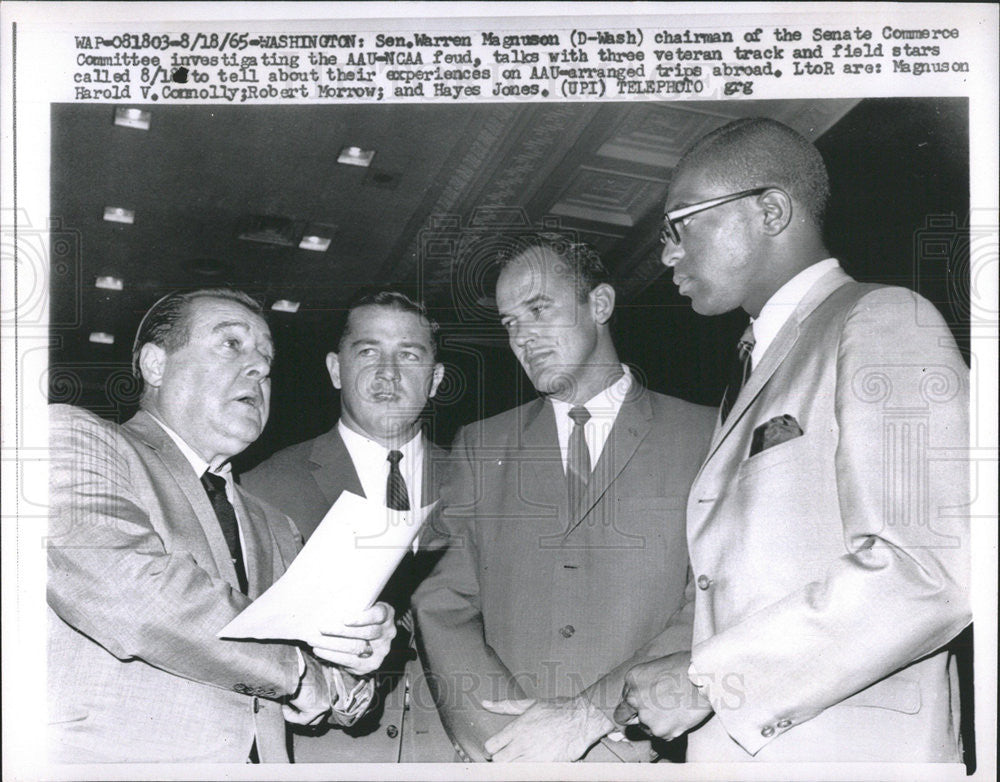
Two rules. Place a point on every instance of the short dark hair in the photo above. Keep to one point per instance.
(167, 324)
(583, 268)
(396, 300)
(757, 151)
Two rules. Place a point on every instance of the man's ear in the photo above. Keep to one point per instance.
(152, 361)
(777, 211)
(437, 378)
(602, 303)
(333, 367)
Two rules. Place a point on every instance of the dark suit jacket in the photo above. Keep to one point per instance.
(304, 481)
(140, 581)
(532, 598)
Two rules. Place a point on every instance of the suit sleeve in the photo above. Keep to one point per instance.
(900, 591)
(111, 578)
(605, 693)
(462, 669)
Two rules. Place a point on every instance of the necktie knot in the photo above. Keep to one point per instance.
(739, 371)
(213, 483)
(396, 495)
(579, 414)
(746, 344)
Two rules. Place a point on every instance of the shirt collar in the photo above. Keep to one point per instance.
(359, 444)
(198, 464)
(782, 304)
(606, 403)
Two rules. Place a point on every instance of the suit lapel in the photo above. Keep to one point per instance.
(258, 553)
(540, 471)
(334, 471)
(151, 433)
(629, 429)
(777, 352)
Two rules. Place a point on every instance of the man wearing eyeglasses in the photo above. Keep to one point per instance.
(826, 528)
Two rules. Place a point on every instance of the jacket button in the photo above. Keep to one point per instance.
(391, 731)
(256, 705)
(784, 723)
(767, 731)
(567, 631)
(704, 582)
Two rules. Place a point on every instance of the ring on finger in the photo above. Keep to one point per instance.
(367, 652)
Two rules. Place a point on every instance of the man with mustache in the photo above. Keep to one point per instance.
(828, 527)
(386, 370)
(153, 549)
(563, 526)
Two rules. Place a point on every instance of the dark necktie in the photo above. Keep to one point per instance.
(215, 487)
(740, 370)
(578, 458)
(396, 495)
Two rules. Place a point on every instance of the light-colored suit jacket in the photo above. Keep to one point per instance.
(140, 581)
(531, 599)
(304, 481)
(831, 568)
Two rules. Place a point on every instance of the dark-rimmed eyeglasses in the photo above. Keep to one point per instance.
(668, 232)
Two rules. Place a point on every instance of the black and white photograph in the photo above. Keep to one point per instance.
(386, 393)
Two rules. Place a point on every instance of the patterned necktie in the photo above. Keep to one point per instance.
(740, 371)
(215, 487)
(578, 461)
(396, 495)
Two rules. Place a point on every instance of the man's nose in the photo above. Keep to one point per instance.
(258, 366)
(388, 368)
(521, 335)
(671, 253)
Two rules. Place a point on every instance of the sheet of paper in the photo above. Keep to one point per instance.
(341, 570)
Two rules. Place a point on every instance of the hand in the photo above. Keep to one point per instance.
(311, 702)
(660, 695)
(561, 729)
(360, 645)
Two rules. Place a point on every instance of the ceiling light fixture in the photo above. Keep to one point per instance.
(117, 214)
(356, 156)
(132, 118)
(318, 244)
(102, 338)
(284, 305)
(109, 283)
(317, 237)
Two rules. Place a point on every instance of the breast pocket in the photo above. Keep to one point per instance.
(796, 449)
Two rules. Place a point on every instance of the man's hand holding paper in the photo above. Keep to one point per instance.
(326, 596)
(359, 645)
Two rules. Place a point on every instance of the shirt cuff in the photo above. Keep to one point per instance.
(348, 703)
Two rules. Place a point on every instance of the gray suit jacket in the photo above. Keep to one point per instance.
(831, 567)
(140, 581)
(534, 599)
(303, 481)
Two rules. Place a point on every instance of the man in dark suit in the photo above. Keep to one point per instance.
(386, 369)
(827, 527)
(564, 528)
(153, 549)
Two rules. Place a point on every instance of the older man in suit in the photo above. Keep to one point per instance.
(827, 527)
(386, 369)
(153, 550)
(564, 529)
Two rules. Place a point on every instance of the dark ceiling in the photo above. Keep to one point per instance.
(447, 183)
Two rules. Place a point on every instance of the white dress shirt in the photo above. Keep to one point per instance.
(779, 308)
(371, 461)
(603, 409)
